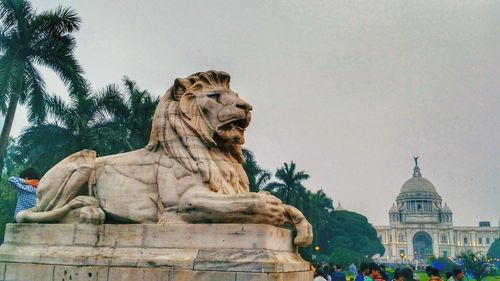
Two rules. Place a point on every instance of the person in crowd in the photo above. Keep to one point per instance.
(352, 269)
(407, 274)
(373, 272)
(428, 270)
(458, 275)
(397, 275)
(384, 273)
(379, 276)
(363, 270)
(320, 274)
(25, 185)
(330, 270)
(415, 275)
(338, 275)
(435, 275)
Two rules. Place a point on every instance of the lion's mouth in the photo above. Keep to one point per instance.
(233, 130)
(240, 124)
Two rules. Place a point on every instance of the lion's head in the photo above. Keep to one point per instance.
(200, 122)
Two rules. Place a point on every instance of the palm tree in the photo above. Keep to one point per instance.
(28, 39)
(134, 110)
(289, 189)
(81, 124)
(257, 176)
(318, 210)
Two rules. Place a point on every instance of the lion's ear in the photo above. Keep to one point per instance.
(180, 87)
(225, 78)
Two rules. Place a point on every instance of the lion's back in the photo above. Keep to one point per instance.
(126, 185)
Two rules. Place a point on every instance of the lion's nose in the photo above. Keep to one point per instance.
(243, 105)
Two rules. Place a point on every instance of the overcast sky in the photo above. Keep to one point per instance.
(349, 90)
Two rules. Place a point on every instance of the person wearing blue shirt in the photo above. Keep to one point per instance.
(338, 275)
(25, 185)
(363, 270)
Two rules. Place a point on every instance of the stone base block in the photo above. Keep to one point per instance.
(40, 252)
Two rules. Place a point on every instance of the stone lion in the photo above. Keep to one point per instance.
(190, 172)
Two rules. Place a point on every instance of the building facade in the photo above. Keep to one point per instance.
(420, 225)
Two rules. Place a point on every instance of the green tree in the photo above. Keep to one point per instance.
(8, 197)
(8, 200)
(28, 39)
(318, 209)
(289, 188)
(133, 109)
(10, 166)
(80, 124)
(353, 232)
(474, 264)
(494, 250)
(345, 257)
(257, 176)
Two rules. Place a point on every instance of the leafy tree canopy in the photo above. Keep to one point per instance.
(494, 250)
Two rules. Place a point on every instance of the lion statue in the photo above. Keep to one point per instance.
(190, 172)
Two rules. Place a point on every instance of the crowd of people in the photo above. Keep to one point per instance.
(373, 272)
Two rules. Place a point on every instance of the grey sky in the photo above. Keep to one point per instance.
(349, 90)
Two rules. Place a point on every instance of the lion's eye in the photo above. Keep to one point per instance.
(214, 96)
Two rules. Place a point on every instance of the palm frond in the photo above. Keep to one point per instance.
(7, 69)
(61, 20)
(16, 13)
(57, 108)
(62, 61)
(112, 102)
(35, 86)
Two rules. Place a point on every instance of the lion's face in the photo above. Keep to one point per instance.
(226, 113)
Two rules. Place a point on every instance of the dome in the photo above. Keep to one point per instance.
(418, 187)
(446, 209)
(339, 208)
(418, 184)
(394, 209)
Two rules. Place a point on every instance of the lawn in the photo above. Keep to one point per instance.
(423, 277)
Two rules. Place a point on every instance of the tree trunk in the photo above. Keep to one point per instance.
(7, 126)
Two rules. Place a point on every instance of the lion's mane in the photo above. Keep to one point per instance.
(181, 130)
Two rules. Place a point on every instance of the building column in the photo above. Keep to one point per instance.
(435, 243)
(409, 244)
(453, 245)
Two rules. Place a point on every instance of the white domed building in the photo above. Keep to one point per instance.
(421, 225)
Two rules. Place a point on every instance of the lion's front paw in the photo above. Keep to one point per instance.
(304, 236)
(270, 209)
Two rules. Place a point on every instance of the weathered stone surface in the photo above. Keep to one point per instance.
(28, 272)
(2, 270)
(156, 274)
(121, 235)
(39, 234)
(202, 276)
(222, 236)
(87, 234)
(65, 273)
(92, 273)
(39, 272)
(246, 276)
(181, 247)
(247, 261)
(126, 273)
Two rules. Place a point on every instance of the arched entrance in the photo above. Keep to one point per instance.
(422, 244)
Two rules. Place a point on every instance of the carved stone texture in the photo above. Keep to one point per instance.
(190, 172)
(165, 252)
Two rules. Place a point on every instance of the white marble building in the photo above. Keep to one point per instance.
(420, 225)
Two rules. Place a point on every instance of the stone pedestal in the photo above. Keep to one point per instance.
(218, 252)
